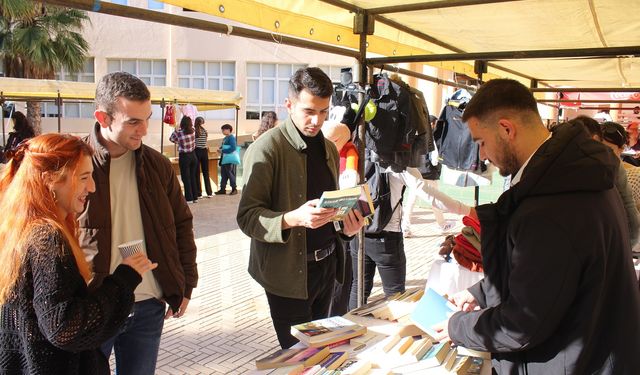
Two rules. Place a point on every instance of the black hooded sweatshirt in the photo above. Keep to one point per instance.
(560, 294)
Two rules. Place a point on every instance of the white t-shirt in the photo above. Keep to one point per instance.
(126, 220)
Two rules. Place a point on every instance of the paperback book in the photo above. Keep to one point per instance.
(327, 331)
(430, 310)
(289, 357)
(357, 197)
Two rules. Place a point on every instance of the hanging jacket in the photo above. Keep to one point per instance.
(560, 294)
(390, 133)
(453, 139)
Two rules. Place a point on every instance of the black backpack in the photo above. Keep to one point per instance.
(380, 190)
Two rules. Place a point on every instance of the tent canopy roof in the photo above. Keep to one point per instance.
(35, 89)
(491, 26)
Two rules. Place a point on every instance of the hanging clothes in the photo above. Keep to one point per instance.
(423, 143)
(458, 152)
(390, 134)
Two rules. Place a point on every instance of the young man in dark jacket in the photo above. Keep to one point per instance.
(295, 251)
(137, 197)
(560, 295)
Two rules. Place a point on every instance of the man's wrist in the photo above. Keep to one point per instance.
(288, 220)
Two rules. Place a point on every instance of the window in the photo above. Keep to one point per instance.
(121, 2)
(153, 4)
(333, 71)
(73, 109)
(267, 88)
(151, 72)
(209, 75)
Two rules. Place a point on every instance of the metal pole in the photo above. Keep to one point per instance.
(587, 101)
(59, 105)
(172, 19)
(162, 105)
(411, 73)
(237, 111)
(4, 141)
(593, 53)
(586, 89)
(361, 135)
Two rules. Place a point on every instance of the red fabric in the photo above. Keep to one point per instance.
(348, 150)
(471, 222)
(465, 253)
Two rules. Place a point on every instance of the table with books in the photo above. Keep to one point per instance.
(385, 336)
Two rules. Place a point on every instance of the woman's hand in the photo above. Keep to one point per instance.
(140, 263)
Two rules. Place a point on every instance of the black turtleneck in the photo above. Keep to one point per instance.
(319, 179)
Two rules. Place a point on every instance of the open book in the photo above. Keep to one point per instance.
(357, 197)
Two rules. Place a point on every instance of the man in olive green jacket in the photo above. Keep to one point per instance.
(295, 251)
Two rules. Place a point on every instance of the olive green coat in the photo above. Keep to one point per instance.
(275, 182)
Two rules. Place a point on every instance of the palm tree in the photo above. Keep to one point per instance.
(38, 40)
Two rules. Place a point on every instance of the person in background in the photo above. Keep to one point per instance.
(202, 156)
(340, 135)
(384, 250)
(138, 198)
(21, 130)
(52, 323)
(185, 138)
(614, 136)
(228, 162)
(557, 297)
(269, 120)
(632, 131)
(295, 251)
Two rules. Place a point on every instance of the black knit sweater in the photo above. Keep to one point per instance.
(52, 324)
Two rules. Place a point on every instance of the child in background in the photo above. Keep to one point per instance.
(228, 161)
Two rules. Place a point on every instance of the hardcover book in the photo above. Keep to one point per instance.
(357, 197)
(327, 331)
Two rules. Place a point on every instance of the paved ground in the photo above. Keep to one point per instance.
(227, 325)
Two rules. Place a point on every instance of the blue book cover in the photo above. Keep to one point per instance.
(431, 309)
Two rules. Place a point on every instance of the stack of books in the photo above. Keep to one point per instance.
(394, 308)
(323, 332)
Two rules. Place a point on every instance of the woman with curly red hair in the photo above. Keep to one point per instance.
(50, 321)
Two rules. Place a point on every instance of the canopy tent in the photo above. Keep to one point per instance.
(409, 28)
(577, 43)
(20, 89)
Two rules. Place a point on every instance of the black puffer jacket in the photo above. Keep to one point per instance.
(53, 324)
(560, 295)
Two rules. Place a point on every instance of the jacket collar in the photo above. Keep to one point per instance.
(292, 135)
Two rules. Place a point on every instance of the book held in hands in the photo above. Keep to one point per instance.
(430, 310)
(357, 197)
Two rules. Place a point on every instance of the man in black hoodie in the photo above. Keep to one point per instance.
(560, 294)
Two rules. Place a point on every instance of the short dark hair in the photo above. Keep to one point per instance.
(312, 79)
(120, 84)
(497, 95)
(227, 127)
(592, 126)
(615, 133)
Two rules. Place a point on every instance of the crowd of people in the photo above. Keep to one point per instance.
(560, 294)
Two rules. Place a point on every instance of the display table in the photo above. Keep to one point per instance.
(213, 169)
(369, 346)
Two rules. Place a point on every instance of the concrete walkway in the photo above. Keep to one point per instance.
(227, 325)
